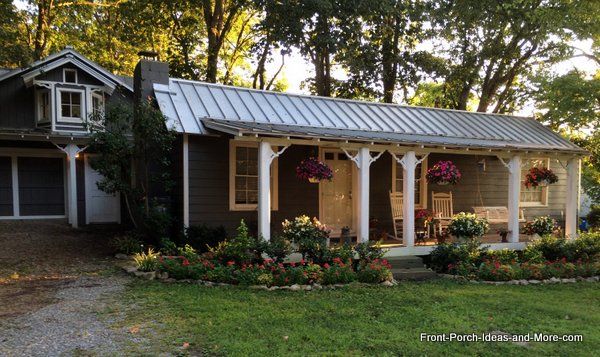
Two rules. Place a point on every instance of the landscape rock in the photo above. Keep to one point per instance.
(258, 287)
(148, 275)
(534, 281)
(387, 283)
(121, 256)
(573, 280)
(317, 287)
(295, 287)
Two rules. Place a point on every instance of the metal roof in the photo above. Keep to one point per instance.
(195, 107)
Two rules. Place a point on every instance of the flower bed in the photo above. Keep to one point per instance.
(548, 259)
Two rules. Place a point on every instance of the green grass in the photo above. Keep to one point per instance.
(361, 320)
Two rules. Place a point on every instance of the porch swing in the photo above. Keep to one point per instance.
(493, 214)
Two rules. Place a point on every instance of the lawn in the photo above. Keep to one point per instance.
(359, 320)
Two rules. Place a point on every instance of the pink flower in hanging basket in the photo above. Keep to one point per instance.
(312, 169)
(443, 172)
(540, 176)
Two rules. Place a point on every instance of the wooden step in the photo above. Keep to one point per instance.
(414, 274)
(407, 262)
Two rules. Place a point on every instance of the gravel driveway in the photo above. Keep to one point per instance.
(54, 283)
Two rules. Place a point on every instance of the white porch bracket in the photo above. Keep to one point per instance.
(572, 204)
(72, 151)
(363, 161)
(266, 155)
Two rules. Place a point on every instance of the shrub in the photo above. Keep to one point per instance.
(546, 248)
(126, 244)
(155, 224)
(239, 249)
(494, 270)
(146, 261)
(586, 247)
(337, 273)
(302, 273)
(168, 247)
(278, 248)
(344, 253)
(253, 274)
(468, 225)
(542, 226)
(368, 252)
(450, 254)
(202, 237)
(504, 256)
(188, 253)
(309, 235)
(375, 272)
(593, 218)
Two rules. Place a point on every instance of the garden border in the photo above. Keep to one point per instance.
(552, 280)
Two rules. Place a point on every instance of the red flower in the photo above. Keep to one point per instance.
(185, 262)
(230, 263)
(326, 266)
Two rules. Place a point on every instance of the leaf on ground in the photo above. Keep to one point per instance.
(186, 345)
(134, 329)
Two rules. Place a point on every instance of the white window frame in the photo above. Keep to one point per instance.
(38, 105)
(70, 70)
(233, 145)
(82, 104)
(544, 202)
(100, 95)
(422, 183)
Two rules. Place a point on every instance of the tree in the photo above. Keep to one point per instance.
(490, 46)
(12, 37)
(134, 151)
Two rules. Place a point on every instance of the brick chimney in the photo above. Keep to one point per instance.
(148, 71)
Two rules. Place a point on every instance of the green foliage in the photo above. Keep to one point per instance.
(543, 226)
(337, 273)
(201, 237)
(300, 274)
(126, 244)
(368, 252)
(309, 235)
(504, 256)
(468, 225)
(278, 248)
(241, 249)
(188, 253)
(446, 255)
(547, 248)
(593, 217)
(146, 261)
(168, 247)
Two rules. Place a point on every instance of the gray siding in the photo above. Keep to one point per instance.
(209, 187)
(41, 186)
(6, 207)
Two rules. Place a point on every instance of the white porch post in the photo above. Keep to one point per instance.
(514, 197)
(72, 150)
(363, 163)
(266, 155)
(409, 164)
(572, 204)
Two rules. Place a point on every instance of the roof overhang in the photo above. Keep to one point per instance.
(252, 129)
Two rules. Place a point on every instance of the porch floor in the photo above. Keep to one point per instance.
(393, 243)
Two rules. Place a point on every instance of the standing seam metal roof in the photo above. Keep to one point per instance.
(187, 103)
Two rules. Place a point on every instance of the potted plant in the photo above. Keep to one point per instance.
(542, 226)
(540, 176)
(468, 226)
(443, 173)
(422, 218)
(313, 170)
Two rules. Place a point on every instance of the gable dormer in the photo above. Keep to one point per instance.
(59, 93)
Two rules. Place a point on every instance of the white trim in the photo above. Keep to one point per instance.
(82, 105)
(424, 161)
(572, 201)
(186, 181)
(233, 144)
(514, 197)
(71, 70)
(15, 185)
(8, 218)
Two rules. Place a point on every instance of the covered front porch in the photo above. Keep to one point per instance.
(357, 204)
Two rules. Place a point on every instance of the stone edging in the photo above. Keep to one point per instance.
(164, 277)
(523, 282)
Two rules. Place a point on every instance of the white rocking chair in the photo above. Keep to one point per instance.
(396, 201)
(442, 208)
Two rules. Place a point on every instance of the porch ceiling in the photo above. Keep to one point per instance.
(195, 107)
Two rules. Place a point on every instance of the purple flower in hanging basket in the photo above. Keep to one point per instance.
(313, 169)
(443, 172)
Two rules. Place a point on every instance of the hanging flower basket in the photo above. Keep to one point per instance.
(540, 176)
(443, 173)
(313, 170)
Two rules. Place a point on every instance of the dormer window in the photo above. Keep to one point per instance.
(69, 75)
(70, 109)
(97, 104)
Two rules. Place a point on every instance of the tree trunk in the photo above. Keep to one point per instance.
(41, 33)
(321, 61)
(389, 57)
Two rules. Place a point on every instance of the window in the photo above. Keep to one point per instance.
(70, 105)
(97, 104)
(420, 181)
(243, 177)
(533, 196)
(43, 105)
(69, 75)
